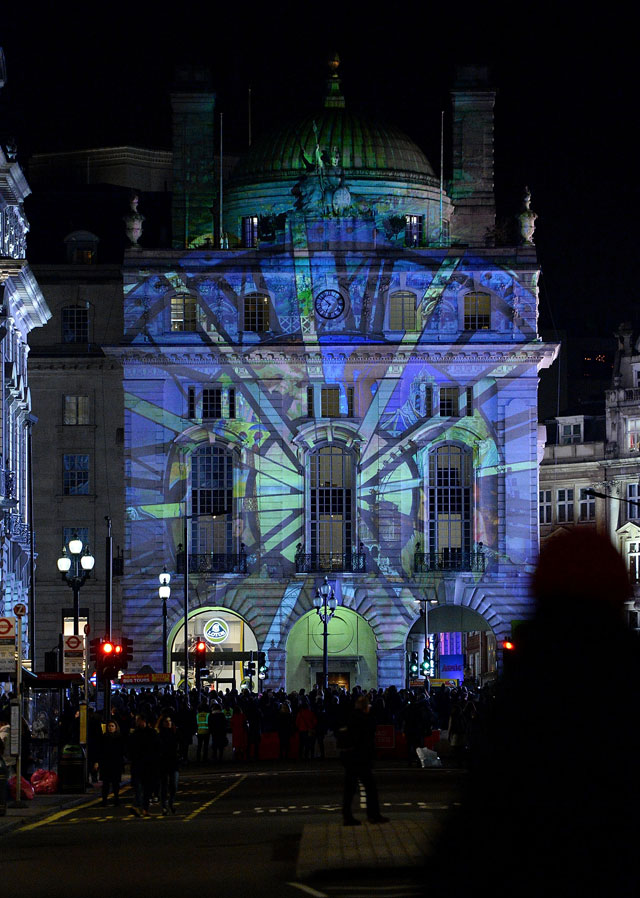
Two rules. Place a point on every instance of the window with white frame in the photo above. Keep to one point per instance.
(402, 311)
(633, 556)
(633, 433)
(633, 501)
(587, 505)
(570, 433)
(75, 410)
(256, 313)
(477, 311)
(75, 323)
(564, 506)
(449, 502)
(212, 501)
(545, 507)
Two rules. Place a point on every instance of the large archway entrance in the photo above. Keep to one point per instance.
(224, 631)
(352, 649)
(461, 644)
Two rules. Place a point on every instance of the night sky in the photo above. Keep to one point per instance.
(565, 113)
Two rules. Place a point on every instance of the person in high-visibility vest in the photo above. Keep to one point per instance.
(202, 751)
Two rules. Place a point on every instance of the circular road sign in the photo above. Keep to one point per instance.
(20, 610)
(73, 642)
(6, 626)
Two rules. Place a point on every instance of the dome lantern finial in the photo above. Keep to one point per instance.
(333, 98)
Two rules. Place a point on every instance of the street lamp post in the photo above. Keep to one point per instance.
(75, 570)
(325, 603)
(424, 603)
(164, 591)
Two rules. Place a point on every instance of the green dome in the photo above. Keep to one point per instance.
(364, 149)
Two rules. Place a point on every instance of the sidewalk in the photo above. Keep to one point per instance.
(42, 806)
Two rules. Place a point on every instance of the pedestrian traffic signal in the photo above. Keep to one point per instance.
(413, 663)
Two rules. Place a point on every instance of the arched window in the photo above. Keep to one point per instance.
(331, 508)
(256, 312)
(402, 311)
(211, 508)
(184, 312)
(450, 472)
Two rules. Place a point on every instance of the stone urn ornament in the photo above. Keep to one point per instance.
(133, 221)
(527, 219)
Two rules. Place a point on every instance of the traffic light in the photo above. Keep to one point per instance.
(263, 668)
(426, 658)
(127, 652)
(413, 664)
(93, 651)
(250, 666)
(108, 659)
(200, 660)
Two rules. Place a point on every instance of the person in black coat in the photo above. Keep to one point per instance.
(111, 761)
(169, 762)
(144, 755)
(357, 749)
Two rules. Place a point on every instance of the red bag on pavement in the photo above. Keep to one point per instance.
(44, 782)
(26, 789)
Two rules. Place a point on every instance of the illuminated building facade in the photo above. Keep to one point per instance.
(346, 389)
(23, 308)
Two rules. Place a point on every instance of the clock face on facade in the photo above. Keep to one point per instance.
(329, 304)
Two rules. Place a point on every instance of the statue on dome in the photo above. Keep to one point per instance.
(322, 187)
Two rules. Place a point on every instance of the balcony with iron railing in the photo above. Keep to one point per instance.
(213, 562)
(448, 560)
(353, 562)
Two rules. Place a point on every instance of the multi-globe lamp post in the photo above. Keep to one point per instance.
(425, 602)
(325, 603)
(164, 592)
(75, 566)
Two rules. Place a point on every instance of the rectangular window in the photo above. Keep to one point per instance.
(633, 433)
(634, 562)
(469, 409)
(570, 433)
(250, 231)
(334, 402)
(587, 505)
(477, 312)
(75, 324)
(633, 501)
(413, 230)
(310, 409)
(212, 402)
(75, 410)
(402, 311)
(192, 403)
(81, 532)
(544, 506)
(75, 475)
(256, 313)
(330, 402)
(564, 506)
(183, 312)
(449, 402)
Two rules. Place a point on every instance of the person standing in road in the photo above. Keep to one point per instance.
(144, 755)
(202, 751)
(169, 754)
(111, 761)
(357, 748)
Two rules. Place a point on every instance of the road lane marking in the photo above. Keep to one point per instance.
(214, 799)
(307, 890)
(52, 818)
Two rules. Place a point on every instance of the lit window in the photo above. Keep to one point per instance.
(402, 311)
(477, 311)
(256, 313)
(633, 433)
(634, 561)
(449, 402)
(331, 487)
(75, 475)
(564, 506)
(331, 400)
(212, 502)
(183, 312)
(587, 505)
(544, 506)
(250, 231)
(75, 410)
(413, 230)
(75, 324)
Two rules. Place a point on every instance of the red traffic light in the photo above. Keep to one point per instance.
(201, 647)
(107, 648)
(117, 649)
(508, 646)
